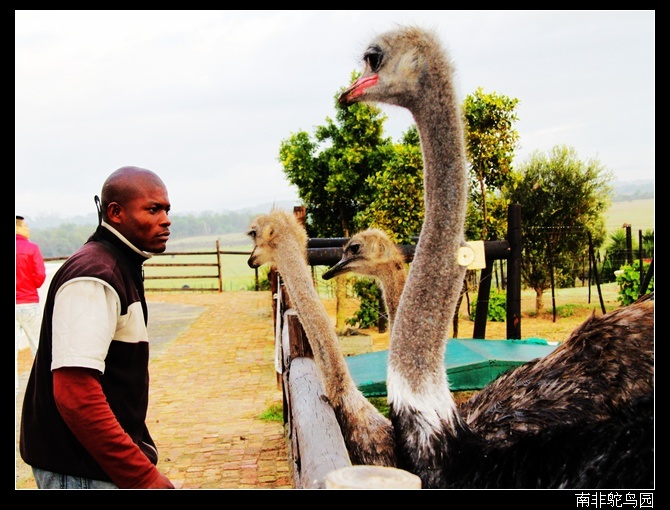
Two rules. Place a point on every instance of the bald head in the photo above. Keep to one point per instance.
(135, 202)
(126, 184)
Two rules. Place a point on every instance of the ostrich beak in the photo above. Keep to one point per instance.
(357, 89)
(339, 268)
(252, 261)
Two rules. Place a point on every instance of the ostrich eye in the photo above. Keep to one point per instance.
(354, 248)
(252, 234)
(374, 57)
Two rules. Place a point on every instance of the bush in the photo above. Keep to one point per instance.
(565, 310)
(263, 280)
(369, 295)
(497, 307)
(628, 278)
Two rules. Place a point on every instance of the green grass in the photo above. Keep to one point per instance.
(273, 413)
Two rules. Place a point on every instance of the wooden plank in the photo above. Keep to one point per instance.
(319, 440)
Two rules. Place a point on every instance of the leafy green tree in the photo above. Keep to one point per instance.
(490, 144)
(396, 204)
(496, 219)
(63, 240)
(331, 169)
(331, 173)
(563, 199)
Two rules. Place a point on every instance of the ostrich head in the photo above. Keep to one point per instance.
(269, 231)
(398, 69)
(369, 252)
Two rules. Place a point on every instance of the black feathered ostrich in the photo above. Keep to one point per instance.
(408, 67)
(594, 372)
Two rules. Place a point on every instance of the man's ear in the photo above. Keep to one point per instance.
(114, 212)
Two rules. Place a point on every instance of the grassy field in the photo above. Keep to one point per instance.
(236, 273)
(638, 213)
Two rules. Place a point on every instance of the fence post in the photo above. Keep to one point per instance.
(218, 264)
(629, 244)
(514, 272)
(640, 255)
(595, 272)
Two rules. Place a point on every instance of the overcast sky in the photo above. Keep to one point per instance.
(204, 98)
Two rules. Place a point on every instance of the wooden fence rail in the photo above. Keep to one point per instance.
(219, 276)
(215, 262)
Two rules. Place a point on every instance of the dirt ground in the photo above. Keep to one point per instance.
(532, 325)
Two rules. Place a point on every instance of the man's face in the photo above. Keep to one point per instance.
(144, 220)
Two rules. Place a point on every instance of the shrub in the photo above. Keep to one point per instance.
(628, 278)
(369, 295)
(565, 310)
(497, 307)
(263, 280)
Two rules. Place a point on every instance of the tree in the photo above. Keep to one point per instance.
(563, 198)
(331, 173)
(331, 170)
(490, 144)
(396, 204)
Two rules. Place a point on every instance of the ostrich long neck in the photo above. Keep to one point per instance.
(315, 321)
(429, 299)
(392, 282)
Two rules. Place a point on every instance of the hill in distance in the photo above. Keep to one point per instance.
(46, 222)
(623, 191)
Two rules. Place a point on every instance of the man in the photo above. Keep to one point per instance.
(83, 420)
(30, 275)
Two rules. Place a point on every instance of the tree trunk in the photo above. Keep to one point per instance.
(539, 304)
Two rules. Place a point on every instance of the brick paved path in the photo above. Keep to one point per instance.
(212, 375)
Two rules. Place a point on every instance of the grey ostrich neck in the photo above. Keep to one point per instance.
(392, 281)
(314, 319)
(368, 435)
(433, 286)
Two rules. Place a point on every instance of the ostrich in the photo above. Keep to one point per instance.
(588, 376)
(408, 67)
(596, 371)
(372, 253)
(281, 241)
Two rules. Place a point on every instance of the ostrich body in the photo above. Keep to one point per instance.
(371, 253)
(281, 241)
(592, 373)
(408, 67)
(595, 372)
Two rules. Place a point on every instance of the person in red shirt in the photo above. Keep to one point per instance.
(30, 275)
(83, 423)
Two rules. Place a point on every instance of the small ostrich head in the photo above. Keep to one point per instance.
(399, 65)
(368, 253)
(273, 232)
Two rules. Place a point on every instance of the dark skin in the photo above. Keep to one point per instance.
(135, 202)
